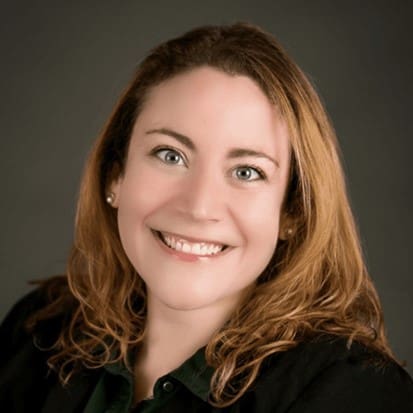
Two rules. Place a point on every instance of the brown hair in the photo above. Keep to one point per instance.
(316, 281)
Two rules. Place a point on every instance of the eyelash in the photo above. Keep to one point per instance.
(257, 169)
(155, 152)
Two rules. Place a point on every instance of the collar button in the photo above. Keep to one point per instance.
(167, 386)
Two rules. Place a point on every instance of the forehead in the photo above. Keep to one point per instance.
(210, 105)
(210, 91)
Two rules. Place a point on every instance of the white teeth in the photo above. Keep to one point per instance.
(192, 248)
(186, 248)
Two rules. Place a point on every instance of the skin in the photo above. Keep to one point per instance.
(203, 194)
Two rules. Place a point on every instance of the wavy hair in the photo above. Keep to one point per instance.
(315, 283)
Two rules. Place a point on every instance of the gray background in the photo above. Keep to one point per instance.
(64, 64)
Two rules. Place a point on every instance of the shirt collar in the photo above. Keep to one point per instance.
(194, 374)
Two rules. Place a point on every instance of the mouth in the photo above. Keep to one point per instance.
(181, 246)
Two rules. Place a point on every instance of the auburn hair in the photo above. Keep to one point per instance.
(316, 281)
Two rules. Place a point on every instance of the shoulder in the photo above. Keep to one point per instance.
(327, 374)
(26, 382)
(14, 331)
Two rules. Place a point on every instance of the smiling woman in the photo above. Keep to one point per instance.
(172, 195)
(216, 264)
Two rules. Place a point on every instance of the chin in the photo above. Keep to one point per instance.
(186, 302)
(190, 299)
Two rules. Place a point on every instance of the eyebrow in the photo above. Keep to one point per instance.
(233, 153)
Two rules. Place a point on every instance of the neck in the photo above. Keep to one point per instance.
(172, 336)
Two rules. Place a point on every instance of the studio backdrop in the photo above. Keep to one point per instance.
(64, 64)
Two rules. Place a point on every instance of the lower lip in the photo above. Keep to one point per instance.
(185, 256)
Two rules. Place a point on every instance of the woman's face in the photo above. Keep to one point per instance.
(207, 167)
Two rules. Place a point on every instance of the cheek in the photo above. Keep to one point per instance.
(137, 198)
(141, 192)
(259, 216)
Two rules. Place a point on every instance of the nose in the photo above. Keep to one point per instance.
(202, 197)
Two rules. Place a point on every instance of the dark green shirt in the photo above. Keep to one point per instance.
(114, 390)
(317, 376)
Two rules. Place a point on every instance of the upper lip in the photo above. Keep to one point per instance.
(192, 239)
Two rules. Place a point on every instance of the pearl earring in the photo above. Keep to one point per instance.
(110, 198)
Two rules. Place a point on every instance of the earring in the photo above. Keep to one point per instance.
(289, 231)
(110, 198)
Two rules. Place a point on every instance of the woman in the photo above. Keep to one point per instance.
(216, 264)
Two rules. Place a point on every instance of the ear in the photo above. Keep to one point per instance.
(113, 193)
(287, 227)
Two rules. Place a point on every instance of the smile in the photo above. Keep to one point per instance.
(183, 246)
